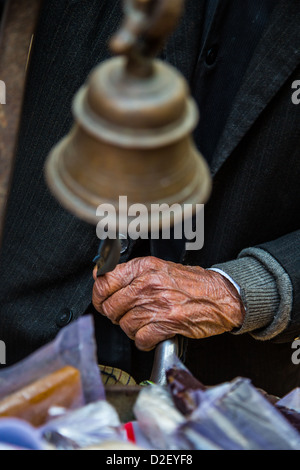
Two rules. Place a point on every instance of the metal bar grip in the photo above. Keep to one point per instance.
(164, 351)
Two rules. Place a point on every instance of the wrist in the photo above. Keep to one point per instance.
(217, 270)
(233, 300)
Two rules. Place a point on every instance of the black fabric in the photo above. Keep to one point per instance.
(2, 3)
(255, 201)
(46, 261)
(220, 359)
(233, 31)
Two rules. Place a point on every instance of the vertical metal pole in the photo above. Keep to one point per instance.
(163, 353)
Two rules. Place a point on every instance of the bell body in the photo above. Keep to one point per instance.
(131, 137)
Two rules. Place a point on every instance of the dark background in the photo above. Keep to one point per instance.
(2, 2)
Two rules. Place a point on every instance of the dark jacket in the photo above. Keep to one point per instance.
(46, 262)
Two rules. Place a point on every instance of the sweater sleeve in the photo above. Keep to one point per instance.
(266, 290)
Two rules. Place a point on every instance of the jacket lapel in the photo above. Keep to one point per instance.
(276, 57)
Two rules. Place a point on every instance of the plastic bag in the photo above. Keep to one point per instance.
(289, 406)
(291, 401)
(162, 423)
(157, 417)
(90, 425)
(235, 416)
(74, 346)
(16, 434)
(181, 383)
(31, 403)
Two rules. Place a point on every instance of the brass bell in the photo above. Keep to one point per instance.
(133, 127)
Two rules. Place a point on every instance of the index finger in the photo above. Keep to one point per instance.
(121, 277)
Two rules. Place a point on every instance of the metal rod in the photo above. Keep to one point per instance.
(163, 353)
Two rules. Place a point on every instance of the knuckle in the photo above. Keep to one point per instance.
(127, 328)
(108, 309)
(143, 340)
(150, 262)
(156, 263)
(97, 290)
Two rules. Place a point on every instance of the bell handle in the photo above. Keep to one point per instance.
(145, 28)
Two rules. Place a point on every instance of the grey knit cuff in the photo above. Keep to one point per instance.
(266, 291)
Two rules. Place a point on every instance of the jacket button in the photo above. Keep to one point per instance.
(64, 317)
(212, 55)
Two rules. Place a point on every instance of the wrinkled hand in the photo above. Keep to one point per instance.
(154, 300)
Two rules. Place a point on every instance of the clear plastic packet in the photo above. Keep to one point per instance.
(291, 401)
(236, 416)
(88, 426)
(73, 346)
(31, 403)
(193, 398)
(158, 417)
(161, 422)
(136, 436)
(190, 437)
(289, 406)
(16, 434)
(181, 383)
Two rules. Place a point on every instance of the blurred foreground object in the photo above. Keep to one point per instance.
(16, 37)
(31, 403)
(132, 137)
(132, 133)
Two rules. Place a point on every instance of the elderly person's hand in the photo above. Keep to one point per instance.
(153, 300)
